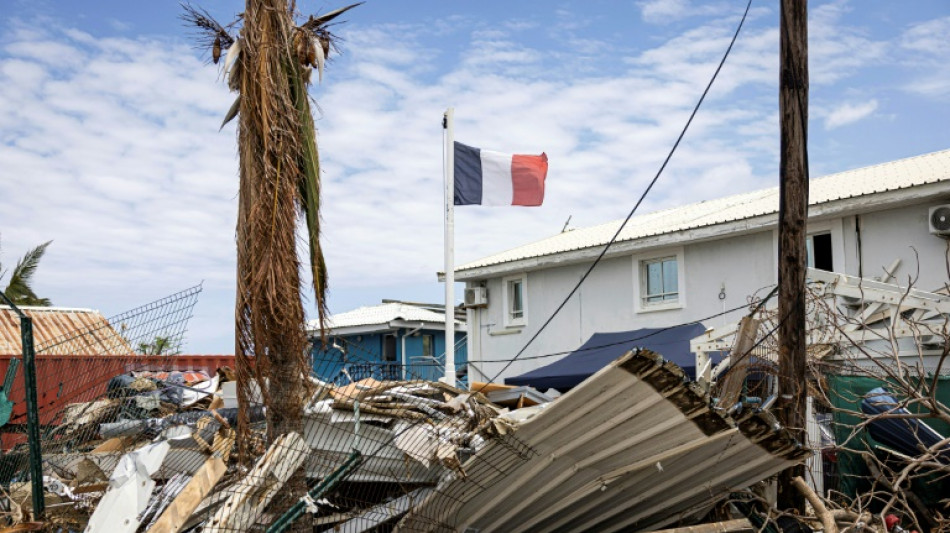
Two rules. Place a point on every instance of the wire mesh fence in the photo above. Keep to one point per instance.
(134, 433)
(381, 446)
(878, 392)
(86, 366)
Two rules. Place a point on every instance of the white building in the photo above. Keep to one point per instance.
(692, 262)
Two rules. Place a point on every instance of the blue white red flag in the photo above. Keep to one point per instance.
(484, 177)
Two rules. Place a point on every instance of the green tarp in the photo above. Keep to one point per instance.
(846, 393)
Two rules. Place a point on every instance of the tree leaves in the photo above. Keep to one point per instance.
(19, 288)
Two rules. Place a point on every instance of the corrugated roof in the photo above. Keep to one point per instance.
(633, 448)
(62, 331)
(382, 314)
(892, 176)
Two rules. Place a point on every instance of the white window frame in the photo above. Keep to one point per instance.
(834, 226)
(640, 281)
(508, 320)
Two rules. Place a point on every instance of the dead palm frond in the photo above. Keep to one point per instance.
(211, 34)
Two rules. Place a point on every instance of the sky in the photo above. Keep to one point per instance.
(110, 143)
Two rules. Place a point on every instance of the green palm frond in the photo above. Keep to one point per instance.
(19, 288)
(310, 189)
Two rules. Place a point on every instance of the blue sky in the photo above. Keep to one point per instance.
(109, 141)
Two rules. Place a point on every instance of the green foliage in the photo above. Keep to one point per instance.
(19, 287)
(159, 346)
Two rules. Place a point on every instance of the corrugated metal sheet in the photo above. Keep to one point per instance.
(60, 331)
(633, 448)
(382, 314)
(896, 175)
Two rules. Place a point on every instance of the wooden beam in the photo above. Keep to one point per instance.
(248, 497)
(182, 507)
(740, 356)
(740, 525)
(793, 213)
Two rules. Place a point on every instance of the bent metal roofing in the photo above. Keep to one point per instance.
(885, 177)
(635, 447)
(62, 331)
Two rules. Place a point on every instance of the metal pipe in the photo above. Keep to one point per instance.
(405, 358)
(329, 483)
(449, 366)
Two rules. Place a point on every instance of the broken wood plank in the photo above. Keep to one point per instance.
(94, 487)
(741, 525)
(248, 497)
(115, 444)
(485, 388)
(741, 355)
(184, 505)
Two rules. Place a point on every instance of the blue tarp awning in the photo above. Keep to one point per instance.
(602, 348)
(906, 435)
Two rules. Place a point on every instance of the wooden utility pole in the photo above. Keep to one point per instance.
(793, 212)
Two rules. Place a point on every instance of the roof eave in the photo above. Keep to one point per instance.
(858, 204)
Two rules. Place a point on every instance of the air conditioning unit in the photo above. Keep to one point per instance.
(939, 220)
(476, 297)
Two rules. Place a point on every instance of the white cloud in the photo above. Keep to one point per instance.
(929, 36)
(660, 11)
(849, 113)
(836, 50)
(115, 153)
(927, 44)
(669, 11)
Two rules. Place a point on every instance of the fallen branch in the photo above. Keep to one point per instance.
(827, 519)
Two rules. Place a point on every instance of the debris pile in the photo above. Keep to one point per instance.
(158, 453)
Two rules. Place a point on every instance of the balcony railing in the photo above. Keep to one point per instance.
(427, 369)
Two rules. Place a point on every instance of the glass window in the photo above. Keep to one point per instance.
(661, 280)
(515, 299)
(818, 248)
(389, 348)
(428, 346)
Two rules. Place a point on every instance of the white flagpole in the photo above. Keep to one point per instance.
(448, 124)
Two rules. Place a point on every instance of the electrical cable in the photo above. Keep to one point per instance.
(643, 196)
(613, 239)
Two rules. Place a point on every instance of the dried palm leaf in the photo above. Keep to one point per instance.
(232, 112)
(232, 65)
(321, 58)
(316, 22)
(209, 29)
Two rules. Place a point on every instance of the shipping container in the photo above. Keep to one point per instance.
(66, 379)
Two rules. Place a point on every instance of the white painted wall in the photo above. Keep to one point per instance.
(740, 264)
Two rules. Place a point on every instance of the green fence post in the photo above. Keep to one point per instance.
(32, 410)
(32, 417)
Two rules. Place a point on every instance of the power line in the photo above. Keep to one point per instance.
(637, 205)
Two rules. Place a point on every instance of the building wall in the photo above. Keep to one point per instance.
(368, 348)
(717, 275)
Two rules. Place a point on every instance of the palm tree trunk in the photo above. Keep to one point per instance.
(269, 312)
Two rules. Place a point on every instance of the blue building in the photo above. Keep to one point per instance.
(390, 341)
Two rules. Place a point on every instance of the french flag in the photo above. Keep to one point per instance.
(483, 177)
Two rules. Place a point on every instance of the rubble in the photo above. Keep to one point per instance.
(157, 453)
(414, 455)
